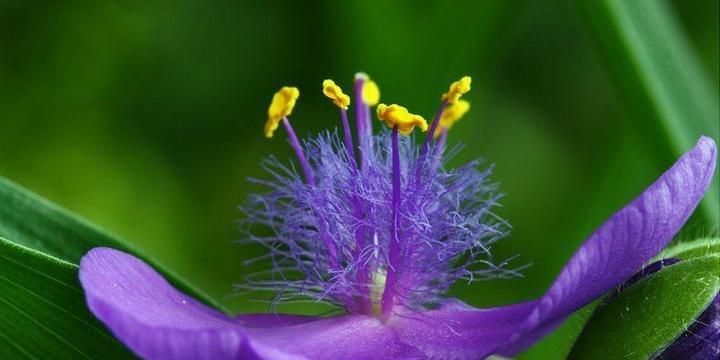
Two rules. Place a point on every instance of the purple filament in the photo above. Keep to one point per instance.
(295, 144)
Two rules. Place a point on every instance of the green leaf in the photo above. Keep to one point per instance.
(34, 222)
(692, 249)
(648, 315)
(43, 312)
(659, 77)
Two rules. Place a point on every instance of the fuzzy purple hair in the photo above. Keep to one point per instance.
(337, 231)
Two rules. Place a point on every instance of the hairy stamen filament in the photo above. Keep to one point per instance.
(310, 178)
(348, 138)
(439, 149)
(433, 127)
(393, 268)
(426, 144)
(295, 144)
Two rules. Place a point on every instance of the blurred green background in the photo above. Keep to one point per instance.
(146, 117)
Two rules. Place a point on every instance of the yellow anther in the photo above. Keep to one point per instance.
(335, 93)
(281, 106)
(396, 115)
(370, 93)
(457, 89)
(451, 115)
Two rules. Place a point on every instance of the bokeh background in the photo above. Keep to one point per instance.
(146, 117)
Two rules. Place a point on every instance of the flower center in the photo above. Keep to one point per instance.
(379, 279)
(376, 225)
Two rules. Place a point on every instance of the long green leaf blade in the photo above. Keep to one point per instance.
(43, 312)
(36, 223)
(659, 77)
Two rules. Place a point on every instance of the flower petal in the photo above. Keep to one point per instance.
(343, 337)
(631, 237)
(606, 259)
(459, 331)
(156, 321)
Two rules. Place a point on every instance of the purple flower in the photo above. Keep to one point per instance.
(381, 229)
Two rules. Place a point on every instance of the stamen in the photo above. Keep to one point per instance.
(334, 92)
(367, 94)
(281, 106)
(399, 118)
(310, 178)
(295, 144)
(361, 109)
(457, 89)
(402, 122)
(439, 149)
(348, 138)
(394, 253)
(342, 101)
(420, 165)
(450, 116)
(364, 237)
(433, 129)
(370, 93)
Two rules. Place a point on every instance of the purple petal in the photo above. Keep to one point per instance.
(458, 331)
(631, 237)
(344, 337)
(153, 319)
(610, 256)
(356, 337)
(158, 322)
